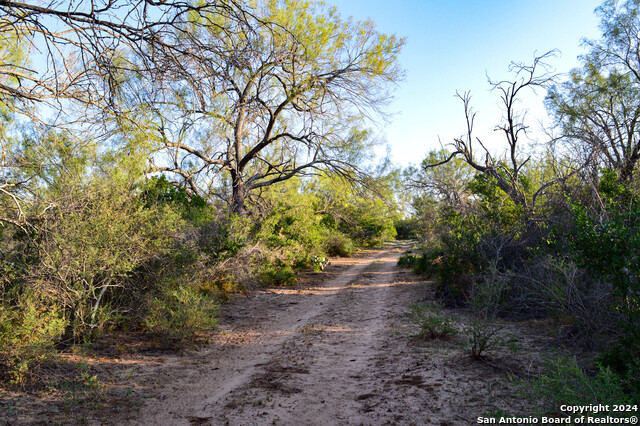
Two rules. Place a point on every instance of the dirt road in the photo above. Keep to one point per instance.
(336, 351)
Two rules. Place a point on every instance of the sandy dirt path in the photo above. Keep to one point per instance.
(337, 351)
(306, 356)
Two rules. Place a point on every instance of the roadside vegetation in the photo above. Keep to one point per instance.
(550, 229)
(174, 155)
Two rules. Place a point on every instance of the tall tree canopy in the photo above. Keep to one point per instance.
(599, 106)
(63, 63)
(57, 50)
(283, 93)
(226, 97)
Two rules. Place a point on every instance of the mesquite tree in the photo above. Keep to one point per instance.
(598, 107)
(59, 50)
(283, 95)
(63, 64)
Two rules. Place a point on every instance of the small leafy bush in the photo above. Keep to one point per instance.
(83, 391)
(28, 330)
(564, 382)
(407, 261)
(486, 301)
(338, 244)
(181, 313)
(278, 275)
(483, 335)
(430, 322)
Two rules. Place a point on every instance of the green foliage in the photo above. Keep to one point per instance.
(93, 243)
(430, 321)
(609, 247)
(565, 383)
(29, 326)
(592, 107)
(407, 260)
(369, 222)
(366, 215)
(501, 211)
(308, 220)
(278, 275)
(406, 229)
(214, 256)
(84, 390)
(14, 57)
(221, 237)
(297, 121)
(426, 263)
(467, 239)
(456, 257)
(159, 191)
(292, 232)
(181, 313)
(614, 192)
(292, 223)
(338, 244)
(486, 301)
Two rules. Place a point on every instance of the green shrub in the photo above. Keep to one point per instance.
(215, 258)
(91, 245)
(407, 261)
(554, 285)
(486, 301)
(158, 191)
(426, 263)
(608, 246)
(29, 326)
(222, 237)
(181, 313)
(220, 287)
(483, 335)
(291, 222)
(83, 391)
(278, 275)
(338, 244)
(564, 382)
(406, 229)
(624, 358)
(430, 322)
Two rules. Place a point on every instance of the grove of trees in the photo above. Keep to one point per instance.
(158, 156)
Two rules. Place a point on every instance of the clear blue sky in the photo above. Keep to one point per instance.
(453, 45)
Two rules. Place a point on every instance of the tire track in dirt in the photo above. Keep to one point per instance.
(322, 374)
(337, 350)
(343, 316)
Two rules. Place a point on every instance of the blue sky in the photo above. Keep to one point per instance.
(453, 45)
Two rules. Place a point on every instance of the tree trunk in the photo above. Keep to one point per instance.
(626, 173)
(510, 189)
(239, 194)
